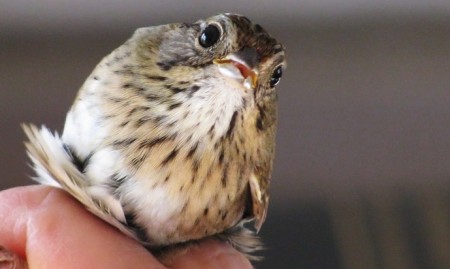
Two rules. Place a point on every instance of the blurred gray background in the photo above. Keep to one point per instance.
(362, 174)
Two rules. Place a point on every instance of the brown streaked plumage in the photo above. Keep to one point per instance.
(171, 138)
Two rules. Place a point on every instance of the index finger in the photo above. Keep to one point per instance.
(51, 230)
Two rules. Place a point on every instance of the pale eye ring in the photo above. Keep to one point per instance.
(276, 76)
(209, 36)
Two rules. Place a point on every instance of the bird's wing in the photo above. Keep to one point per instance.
(260, 199)
(55, 167)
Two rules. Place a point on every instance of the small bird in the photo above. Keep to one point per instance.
(171, 139)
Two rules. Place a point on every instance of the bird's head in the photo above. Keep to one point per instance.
(223, 50)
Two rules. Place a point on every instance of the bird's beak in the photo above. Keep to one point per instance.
(240, 66)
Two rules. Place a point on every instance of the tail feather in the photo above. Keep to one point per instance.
(55, 167)
(244, 240)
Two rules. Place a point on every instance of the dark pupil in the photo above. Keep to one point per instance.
(209, 36)
(276, 76)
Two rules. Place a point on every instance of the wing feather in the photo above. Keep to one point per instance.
(260, 200)
(54, 167)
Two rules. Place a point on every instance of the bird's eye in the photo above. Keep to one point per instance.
(209, 36)
(276, 76)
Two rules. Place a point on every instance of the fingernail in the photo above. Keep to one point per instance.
(9, 260)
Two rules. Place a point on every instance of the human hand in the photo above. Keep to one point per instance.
(43, 227)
